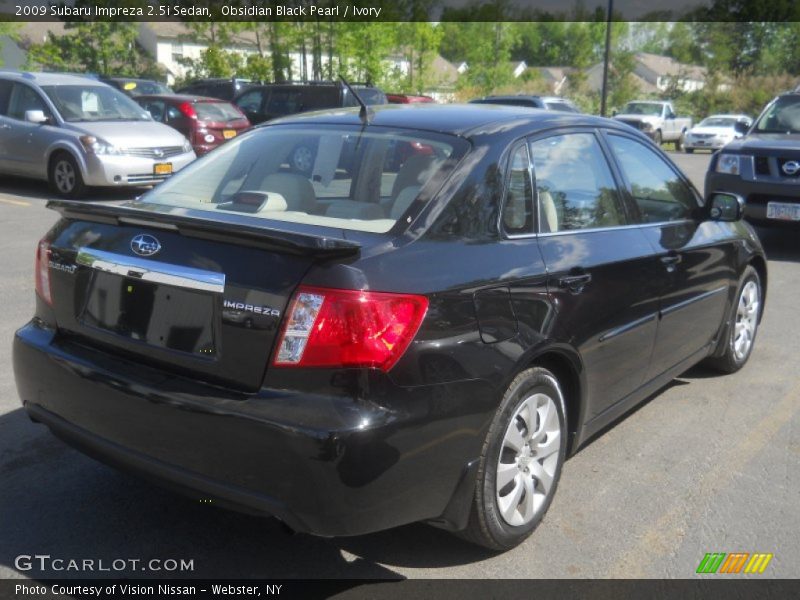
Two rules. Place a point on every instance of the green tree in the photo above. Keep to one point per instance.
(103, 47)
(488, 56)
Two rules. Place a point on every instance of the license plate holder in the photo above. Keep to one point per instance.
(783, 211)
(162, 169)
(151, 314)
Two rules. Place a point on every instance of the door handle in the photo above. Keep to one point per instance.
(670, 262)
(575, 283)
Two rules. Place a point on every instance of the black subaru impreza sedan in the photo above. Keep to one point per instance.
(422, 334)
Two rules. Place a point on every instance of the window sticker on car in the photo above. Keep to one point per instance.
(89, 102)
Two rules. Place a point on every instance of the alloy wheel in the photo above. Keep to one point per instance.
(744, 331)
(64, 175)
(528, 459)
(302, 159)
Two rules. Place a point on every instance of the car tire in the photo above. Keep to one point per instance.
(743, 321)
(302, 159)
(680, 141)
(657, 138)
(65, 178)
(520, 462)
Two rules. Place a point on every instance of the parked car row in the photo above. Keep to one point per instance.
(78, 132)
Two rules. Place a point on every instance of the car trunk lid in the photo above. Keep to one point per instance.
(198, 297)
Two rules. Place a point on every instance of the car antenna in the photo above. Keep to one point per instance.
(366, 113)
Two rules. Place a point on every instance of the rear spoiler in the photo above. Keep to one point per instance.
(228, 227)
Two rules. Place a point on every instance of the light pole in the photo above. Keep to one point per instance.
(604, 91)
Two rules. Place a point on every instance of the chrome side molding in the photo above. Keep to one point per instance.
(150, 270)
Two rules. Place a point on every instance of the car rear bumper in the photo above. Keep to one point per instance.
(757, 194)
(115, 171)
(324, 464)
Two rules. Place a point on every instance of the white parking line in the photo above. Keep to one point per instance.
(14, 202)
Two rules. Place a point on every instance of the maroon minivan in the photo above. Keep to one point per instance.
(206, 122)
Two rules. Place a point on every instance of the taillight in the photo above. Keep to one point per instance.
(187, 110)
(346, 328)
(43, 271)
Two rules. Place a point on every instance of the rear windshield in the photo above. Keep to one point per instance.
(343, 177)
(507, 102)
(562, 106)
(719, 122)
(642, 108)
(216, 111)
(145, 88)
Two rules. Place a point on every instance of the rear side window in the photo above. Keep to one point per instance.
(574, 185)
(660, 194)
(251, 101)
(284, 102)
(518, 207)
(341, 177)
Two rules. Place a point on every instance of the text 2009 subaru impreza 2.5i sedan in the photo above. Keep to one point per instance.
(373, 341)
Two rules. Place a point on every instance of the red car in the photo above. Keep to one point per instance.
(206, 122)
(407, 99)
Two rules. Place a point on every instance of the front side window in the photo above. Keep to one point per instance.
(23, 98)
(5, 95)
(574, 185)
(78, 103)
(351, 178)
(518, 208)
(660, 194)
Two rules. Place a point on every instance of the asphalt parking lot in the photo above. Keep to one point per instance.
(709, 464)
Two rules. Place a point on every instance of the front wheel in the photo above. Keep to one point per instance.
(65, 177)
(302, 159)
(520, 463)
(680, 141)
(742, 325)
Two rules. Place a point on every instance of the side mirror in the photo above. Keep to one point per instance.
(741, 127)
(36, 116)
(724, 206)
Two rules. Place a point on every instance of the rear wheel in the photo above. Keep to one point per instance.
(520, 463)
(65, 177)
(743, 324)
